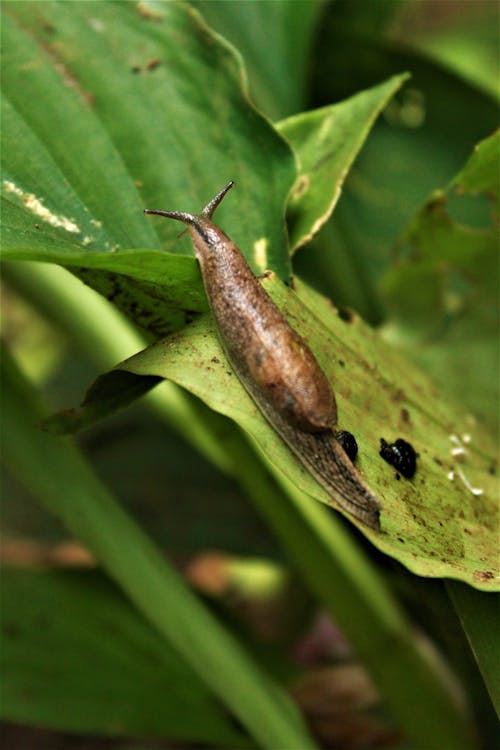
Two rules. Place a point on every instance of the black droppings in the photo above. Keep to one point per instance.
(401, 455)
(348, 443)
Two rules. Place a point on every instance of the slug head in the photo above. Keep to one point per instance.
(203, 231)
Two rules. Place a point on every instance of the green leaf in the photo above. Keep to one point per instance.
(326, 142)
(433, 524)
(443, 292)
(77, 657)
(480, 174)
(479, 615)
(56, 472)
(157, 112)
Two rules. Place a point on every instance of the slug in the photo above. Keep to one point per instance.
(274, 363)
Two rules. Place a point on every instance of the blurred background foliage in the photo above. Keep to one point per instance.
(299, 58)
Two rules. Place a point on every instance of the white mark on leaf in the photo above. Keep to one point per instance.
(460, 453)
(36, 206)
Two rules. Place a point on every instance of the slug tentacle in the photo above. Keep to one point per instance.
(274, 363)
(209, 209)
(178, 215)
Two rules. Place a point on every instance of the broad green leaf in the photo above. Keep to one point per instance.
(443, 292)
(109, 110)
(440, 523)
(326, 142)
(76, 656)
(57, 473)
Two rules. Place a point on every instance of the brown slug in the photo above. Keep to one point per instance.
(274, 363)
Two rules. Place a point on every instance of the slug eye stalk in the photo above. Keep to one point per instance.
(188, 218)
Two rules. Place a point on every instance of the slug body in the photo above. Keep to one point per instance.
(271, 359)
(274, 363)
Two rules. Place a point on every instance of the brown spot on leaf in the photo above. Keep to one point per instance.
(405, 415)
(301, 186)
(345, 314)
(483, 575)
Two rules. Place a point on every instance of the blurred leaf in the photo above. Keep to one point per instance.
(480, 616)
(275, 41)
(480, 174)
(56, 472)
(365, 18)
(426, 133)
(172, 432)
(77, 657)
(463, 37)
(443, 293)
(326, 142)
(433, 525)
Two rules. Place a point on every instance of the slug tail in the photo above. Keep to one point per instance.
(322, 454)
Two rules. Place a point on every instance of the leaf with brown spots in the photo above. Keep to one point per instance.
(441, 523)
